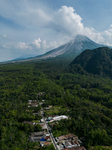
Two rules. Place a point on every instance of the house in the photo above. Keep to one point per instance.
(48, 138)
(67, 144)
(34, 104)
(60, 138)
(47, 134)
(44, 127)
(42, 139)
(42, 120)
(75, 143)
(71, 136)
(68, 136)
(41, 123)
(71, 144)
(46, 108)
(69, 141)
(40, 103)
(37, 136)
(27, 110)
(37, 139)
(80, 141)
(29, 122)
(52, 124)
(75, 138)
(50, 106)
(61, 146)
(42, 143)
(35, 113)
(78, 148)
(58, 118)
(47, 143)
(29, 101)
(29, 104)
(49, 118)
(43, 100)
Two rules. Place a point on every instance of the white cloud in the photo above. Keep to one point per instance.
(4, 36)
(42, 46)
(37, 43)
(43, 29)
(67, 22)
(21, 45)
(107, 34)
(35, 47)
(95, 36)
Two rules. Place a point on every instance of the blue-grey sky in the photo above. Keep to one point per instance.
(33, 27)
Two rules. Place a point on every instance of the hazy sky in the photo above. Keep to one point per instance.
(33, 27)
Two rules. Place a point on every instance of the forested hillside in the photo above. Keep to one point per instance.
(97, 62)
(86, 99)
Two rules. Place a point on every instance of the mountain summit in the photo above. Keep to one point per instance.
(80, 38)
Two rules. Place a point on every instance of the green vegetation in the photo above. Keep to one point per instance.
(86, 99)
(56, 110)
(98, 61)
(101, 148)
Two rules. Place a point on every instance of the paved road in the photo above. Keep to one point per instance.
(49, 130)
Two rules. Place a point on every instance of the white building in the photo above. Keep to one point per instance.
(60, 117)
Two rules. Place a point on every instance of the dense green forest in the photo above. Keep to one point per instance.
(97, 61)
(87, 99)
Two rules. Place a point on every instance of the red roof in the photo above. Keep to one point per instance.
(47, 137)
(47, 143)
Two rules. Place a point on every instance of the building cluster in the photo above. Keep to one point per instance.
(64, 142)
(42, 137)
(49, 107)
(43, 125)
(32, 103)
(69, 141)
(29, 122)
(56, 118)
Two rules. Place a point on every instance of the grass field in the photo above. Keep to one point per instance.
(56, 110)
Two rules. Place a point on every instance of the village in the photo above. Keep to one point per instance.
(45, 136)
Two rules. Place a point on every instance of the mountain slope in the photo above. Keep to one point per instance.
(97, 61)
(69, 50)
(72, 48)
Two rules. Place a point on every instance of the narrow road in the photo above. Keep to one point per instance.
(49, 130)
